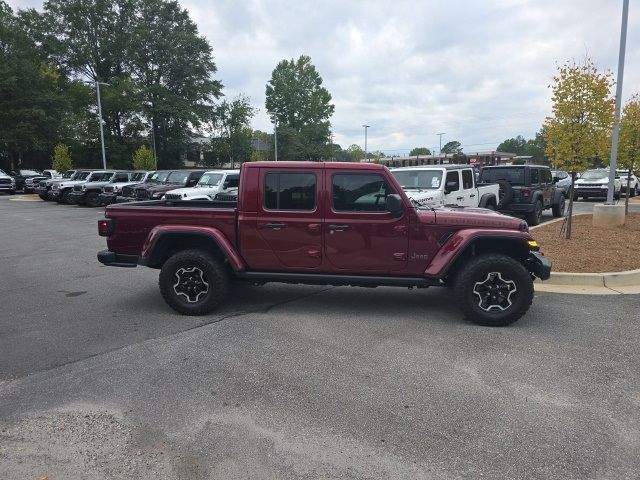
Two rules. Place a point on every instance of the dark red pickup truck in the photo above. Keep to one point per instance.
(329, 224)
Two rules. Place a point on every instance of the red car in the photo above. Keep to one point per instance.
(329, 224)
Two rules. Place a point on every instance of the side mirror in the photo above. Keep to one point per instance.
(556, 179)
(450, 187)
(394, 205)
(225, 185)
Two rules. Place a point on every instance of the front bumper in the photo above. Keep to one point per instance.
(539, 265)
(113, 259)
(53, 195)
(107, 198)
(592, 192)
(77, 197)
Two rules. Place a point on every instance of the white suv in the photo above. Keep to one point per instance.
(595, 183)
(634, 185)
(210, 184)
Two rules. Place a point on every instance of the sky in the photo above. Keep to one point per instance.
(477, 71)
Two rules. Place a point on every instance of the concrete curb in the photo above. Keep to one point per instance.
(607, 283)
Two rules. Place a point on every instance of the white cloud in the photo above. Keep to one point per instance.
(476, 70)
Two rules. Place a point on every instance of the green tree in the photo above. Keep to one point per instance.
(262, 146)
(451, 147)
(61, 159)
(232, 144)
(629, 141)
(515, 145)
(534, 147)
(580, 127)
(143, 159)
(419, 151)
(302, 108)
(33, 104)
(172, 66)
(355, 153)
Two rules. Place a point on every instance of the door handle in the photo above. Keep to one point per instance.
(459, 198)
(338, 227)
(472, 195)
(276, 226)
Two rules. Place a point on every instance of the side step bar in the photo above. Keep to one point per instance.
(338, 280)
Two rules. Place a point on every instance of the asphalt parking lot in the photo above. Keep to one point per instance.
(100, 379)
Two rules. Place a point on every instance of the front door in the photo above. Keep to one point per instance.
(453, 189)
(289, 217)
(360, 235)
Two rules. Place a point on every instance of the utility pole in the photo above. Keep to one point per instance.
(97, 84)
(440, 150)
(275, 131)
(616, 122)
(365, 141)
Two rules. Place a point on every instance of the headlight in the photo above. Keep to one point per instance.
(157, 195)
(116, 188)
(84, 187)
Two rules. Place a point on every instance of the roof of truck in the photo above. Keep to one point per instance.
(434, 167)
(315, 165)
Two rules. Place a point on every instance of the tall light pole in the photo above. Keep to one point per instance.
(440, 150)
(365, 141)
(149, 105)
(616, 122)
(275, 131)
(97, 84)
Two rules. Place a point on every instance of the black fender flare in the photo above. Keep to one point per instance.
(486, 199)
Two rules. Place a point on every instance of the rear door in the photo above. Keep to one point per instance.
(546, 183)
(360, 235)
(289, 216)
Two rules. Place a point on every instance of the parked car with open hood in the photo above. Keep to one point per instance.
(210, 184)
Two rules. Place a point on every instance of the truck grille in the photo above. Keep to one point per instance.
(108, 189)
(142, 194)
(77, 188)
(591, 185)
(225, 197)
(173, 196)
(5, 180)
(127, 191)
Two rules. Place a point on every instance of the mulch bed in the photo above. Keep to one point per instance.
(591, 249)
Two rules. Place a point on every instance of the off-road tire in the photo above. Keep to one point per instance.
(43, 197)
(558, 208)
(477, 270)
(92, 200)
(634, 192)
(214, 274)
(534, 217)
(64, 197)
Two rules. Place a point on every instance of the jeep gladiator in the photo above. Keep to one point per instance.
(326, 224)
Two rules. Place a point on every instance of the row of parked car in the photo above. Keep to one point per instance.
(94, 188)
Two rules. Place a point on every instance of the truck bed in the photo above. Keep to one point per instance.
(135, 220)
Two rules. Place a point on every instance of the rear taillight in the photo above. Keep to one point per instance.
(526, 193)
(105, 227)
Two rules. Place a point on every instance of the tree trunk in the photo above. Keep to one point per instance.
(567, 233)
(626, 198)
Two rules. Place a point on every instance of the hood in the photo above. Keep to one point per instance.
(159, 188)
(474, 218)
(70, 183)
(193, 191)
(594, 180)
(425, 197)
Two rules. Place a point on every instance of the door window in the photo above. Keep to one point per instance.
(467, 179)
(360, 193)
(290, 191)
(453, 181)
(535, 177)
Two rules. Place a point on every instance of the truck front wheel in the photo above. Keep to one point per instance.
(493, 290)
(193, 282)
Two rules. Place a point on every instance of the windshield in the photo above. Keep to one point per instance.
(158, 177)
(81, 175)
(68, 174)
(136, 177)
(595, 174)
(210, 179)
(100, 177)
(29, 172)
(178, 178)
(418, 179)
(514, 176)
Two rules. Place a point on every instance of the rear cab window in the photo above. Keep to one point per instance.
(514, 176)
(290, 191)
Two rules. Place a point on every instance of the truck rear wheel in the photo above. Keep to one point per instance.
(558, 208)
(493, 290)
(193, 282)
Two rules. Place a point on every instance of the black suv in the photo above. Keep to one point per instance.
(525, 190)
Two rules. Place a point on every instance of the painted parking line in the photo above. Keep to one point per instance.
(26, 198)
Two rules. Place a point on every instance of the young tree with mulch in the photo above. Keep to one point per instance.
(580, 127)
(629, 142)
(143, 159)
(61, 159)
